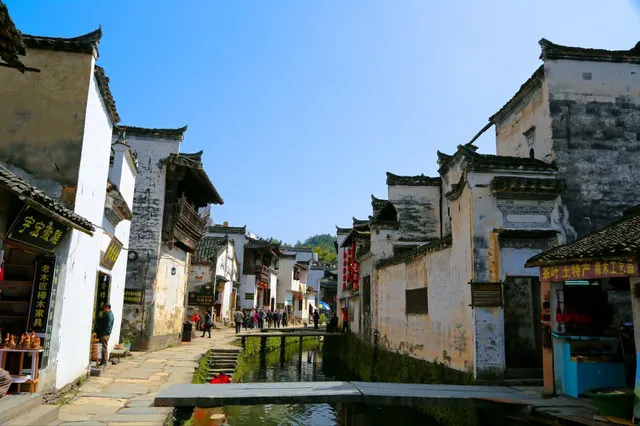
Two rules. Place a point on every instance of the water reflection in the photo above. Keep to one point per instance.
(304, 365)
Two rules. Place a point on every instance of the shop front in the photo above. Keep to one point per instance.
(33, 231)
(587, 312)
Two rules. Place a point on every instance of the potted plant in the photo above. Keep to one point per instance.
(127, 341)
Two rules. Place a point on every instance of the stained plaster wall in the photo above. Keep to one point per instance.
(168, 312)
(146, 229)
(248, 285)
(595, 113)
(445, 334)
(123, 174)
(490, 213)
(366, 323)
(42, 114)
(531, 112)
(314, 276)
(418, 209)
(227, 267)
(80, 257)
(286, 282)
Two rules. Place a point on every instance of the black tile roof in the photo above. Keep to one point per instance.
(208, 249)
(407, 256)
(526, 87)
(377, 204)
(556, 51)
(119, 201)
(342, 230)
(520, 185)
(85, 43)
(490, 161)
(620, 239)
(21, 188)
(194, 162)
(221, 229)
(420, 180)
(173, 134)
(358, 222)
(11, 43)
(107, 96)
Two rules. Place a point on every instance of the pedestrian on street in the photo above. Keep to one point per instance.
(345, 320)
(260, 319)
(255, 319)
(316, 319)
(5, 382)
(208, 323)
(252, 318)
(285, 318)
(269, 318)
(195, 321)
(239, 318)
(276, 319)
(103, 327)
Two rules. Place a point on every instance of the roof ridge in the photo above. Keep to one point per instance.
(105, 92)
(85, 43)
(416, 180)
(166, 133)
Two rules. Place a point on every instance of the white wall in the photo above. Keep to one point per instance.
(170, 291)
(123, 172)
(314, 276)
(75, 302)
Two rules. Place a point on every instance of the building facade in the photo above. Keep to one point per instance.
(165, 231)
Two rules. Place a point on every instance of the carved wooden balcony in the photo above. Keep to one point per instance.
(188, 226)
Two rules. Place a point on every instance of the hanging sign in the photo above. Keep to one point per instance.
(590, 270)
(37, 230)
(197, 299)
(132, 296)
(279, 305)
(103, 288)
(43, 300)
(110, 256)
(249, 296)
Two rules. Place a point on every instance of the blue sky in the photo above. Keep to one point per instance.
(301, 106)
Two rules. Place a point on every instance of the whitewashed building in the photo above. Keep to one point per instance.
(214, 278)
(166, 227)
(60, 211)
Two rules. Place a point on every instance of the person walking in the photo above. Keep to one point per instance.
(261, 319)
(276, 319)
(252, 318)
(208, 323)
(269, 318)
(316, 319)
(103, 327)
(255, 319)
(239, 318)
(285, 318)
(5, 382)
(345, 320)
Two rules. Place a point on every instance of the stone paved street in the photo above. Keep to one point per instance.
(123, 394)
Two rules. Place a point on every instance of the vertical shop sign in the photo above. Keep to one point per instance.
(103, 288)
(43, 300)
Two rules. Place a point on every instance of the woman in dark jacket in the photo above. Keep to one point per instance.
(207, 324)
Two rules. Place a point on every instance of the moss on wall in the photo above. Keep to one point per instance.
(385, 366)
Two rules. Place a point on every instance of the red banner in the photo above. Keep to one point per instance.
(262, 284)
(589, 270)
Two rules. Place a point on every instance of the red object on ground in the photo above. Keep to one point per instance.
(220, 379)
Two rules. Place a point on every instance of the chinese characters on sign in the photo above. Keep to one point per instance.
(37, 230)
(110, 256)
(197, 299)
(43, 299)
(103, 288)
(249, 296)
(591, 270)
(133, 297)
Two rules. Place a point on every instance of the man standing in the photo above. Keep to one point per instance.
(104, 324)
(284, 318)
(261, 319)
(316, 319)
(239, 318)
(5, 382)
(345, 320)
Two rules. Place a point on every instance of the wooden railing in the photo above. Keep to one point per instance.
(188, 226)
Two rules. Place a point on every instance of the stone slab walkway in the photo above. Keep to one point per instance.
(124, 393)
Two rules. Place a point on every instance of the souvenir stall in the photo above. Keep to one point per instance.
(587, 320)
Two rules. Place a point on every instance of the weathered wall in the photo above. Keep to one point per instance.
(80, 265)
(418, 210)
(248, 285)
(595, 113)
(42, 114)
(169, 291)
(531, 112)
(146, 226)
(123, 172)
(445, 334)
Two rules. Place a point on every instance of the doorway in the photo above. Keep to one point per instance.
(102, 296)
(523, 345)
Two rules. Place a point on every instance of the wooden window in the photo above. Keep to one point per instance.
(417, 301)
(486, 294)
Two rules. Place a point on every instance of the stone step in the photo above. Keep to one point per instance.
(221, 370)
(226, 351)
(12, 406)
(42, 415)
(219, 366)
(224, 357)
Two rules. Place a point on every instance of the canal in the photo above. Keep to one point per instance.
(308, 365)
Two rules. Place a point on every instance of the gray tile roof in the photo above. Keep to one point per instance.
(85, 43)
(174, 134)
(208, 249)
(621, 238)
(221, 229)
(21, 188)
(11, 44)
